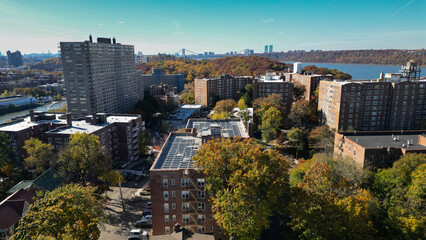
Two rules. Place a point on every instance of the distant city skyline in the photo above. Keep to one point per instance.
(217, 26)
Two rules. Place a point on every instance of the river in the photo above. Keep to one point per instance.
(50, 106)
(362, 71)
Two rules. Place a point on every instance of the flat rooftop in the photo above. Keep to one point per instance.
(25, 123)
(184, 111)
(177, 152)
(387, 140)
(228, 127)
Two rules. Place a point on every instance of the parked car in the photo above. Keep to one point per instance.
(137, 234)
(146, 221)
(148, 205)
(147, 212)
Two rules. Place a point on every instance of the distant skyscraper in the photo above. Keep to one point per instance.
(266, 48)
(99, 77)
(271, 48)
(14, 59)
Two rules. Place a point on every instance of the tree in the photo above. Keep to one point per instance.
(323, 137)
(401, 191)
(298, 92)
(223, 109)
(144, 141)
(247, 95)
(68, 212)
(328, 201)
(213, 99)
(84, 156)
(244, 112)
(271, 122)
(10, 173)
(303, 113)
(298, 139)
(40, 155)
(246, 184)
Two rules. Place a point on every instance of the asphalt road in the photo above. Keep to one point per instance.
(120, 223)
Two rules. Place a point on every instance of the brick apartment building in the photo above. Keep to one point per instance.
(177, 185)
(372, 105)
(310, 82)
(225, 87)
(118, 133)
(273, 84)
(378, 149)
(157, 77)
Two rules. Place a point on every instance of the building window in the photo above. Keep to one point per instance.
(211, 217)
(201, 218)
(185, 194)
(201, 229)
(173, 205)
(185, 182)
(165, 183)
(166, 219)
(201, 182)
(173, 194)
(211, 229)
(382, 159)
(166, 207)
(201, 194)
(185, 206)
(167, 229)
(201, 206)
(174, 218)
(173, 181)
(185, 218)
(166, 195)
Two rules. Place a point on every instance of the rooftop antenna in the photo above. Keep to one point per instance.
(90, 38)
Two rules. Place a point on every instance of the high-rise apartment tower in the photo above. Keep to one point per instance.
(99, 77)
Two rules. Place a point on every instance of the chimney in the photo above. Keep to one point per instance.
(90, 38)
(113, 40)
(69, 119)
(32, 118)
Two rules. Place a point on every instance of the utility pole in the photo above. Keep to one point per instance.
(121, 193)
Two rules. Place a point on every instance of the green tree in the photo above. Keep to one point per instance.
(68, 212)
(84, 156)
(401, 191)
(323, 137)
(245, 182)
(40, 155)
(298, 92)
(213, 99)
(298, 139)
(271, 122)
(10, 172)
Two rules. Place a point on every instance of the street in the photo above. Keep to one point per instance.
(120, 223)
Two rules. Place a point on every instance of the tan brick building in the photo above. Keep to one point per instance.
(310, 82)
(378, 149)
(225, 87)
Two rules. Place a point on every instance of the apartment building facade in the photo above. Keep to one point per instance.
(99, 77)
(310, 82)
(372, 105)
(378, 149)
(118, 134)
(157, 77)
(273, 84)
(225, 87)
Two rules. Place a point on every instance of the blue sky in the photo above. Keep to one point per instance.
(155, 26)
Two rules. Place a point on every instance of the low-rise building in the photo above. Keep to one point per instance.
(177, 184)
(378, 149)
(177, 119)
(118, 133)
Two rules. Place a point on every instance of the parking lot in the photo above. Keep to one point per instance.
(120, 223)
